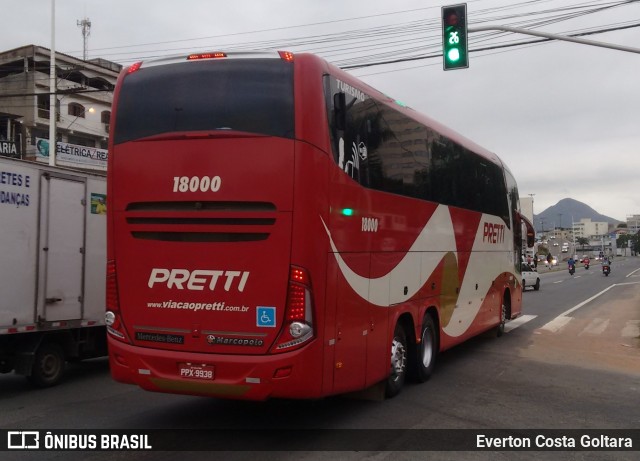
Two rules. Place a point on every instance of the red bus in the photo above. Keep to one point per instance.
(278, 228)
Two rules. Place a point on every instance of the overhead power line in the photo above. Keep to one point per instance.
(489, 48)
(355, 41)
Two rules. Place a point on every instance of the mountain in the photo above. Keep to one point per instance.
(560, 214)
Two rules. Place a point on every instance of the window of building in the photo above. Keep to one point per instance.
(105, 115)
(43, 105)
(76, 110)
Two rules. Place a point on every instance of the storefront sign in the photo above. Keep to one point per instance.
(73, 155)
(9, 149)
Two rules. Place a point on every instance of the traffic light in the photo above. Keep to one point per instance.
(454, 37)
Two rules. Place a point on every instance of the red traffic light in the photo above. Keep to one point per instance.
(452, 19)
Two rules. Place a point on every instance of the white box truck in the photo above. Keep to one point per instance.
(52, 269)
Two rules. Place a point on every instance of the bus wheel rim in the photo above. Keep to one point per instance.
(398, 358)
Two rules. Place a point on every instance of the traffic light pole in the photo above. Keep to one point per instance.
(555, 37)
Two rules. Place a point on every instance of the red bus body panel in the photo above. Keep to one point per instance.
(421, 256)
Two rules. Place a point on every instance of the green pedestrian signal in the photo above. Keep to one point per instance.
(455, 48)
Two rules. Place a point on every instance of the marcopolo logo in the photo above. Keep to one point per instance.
(234, 341)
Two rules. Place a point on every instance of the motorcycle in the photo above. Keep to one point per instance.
(572, 269)
(606, 269)
(586, 265)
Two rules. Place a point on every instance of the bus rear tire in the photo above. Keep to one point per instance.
(427, 350)
(398, 371)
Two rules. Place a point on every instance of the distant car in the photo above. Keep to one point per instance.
(555, 244)
(530, 277)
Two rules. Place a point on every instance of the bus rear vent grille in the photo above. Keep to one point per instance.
(201, 221)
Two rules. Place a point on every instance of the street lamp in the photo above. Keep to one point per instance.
(53, 129)
(90, 110)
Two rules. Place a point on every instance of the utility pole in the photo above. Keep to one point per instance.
(86, 31)
(52, 89)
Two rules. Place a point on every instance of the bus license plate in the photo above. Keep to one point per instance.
(193, 371)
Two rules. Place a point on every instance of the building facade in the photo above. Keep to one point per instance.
(84, 93)
(590, 229)
(633, 223)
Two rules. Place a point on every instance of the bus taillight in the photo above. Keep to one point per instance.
(298, 317)
(196, 56)
(112, 316)
(134, 67)
(286, 55)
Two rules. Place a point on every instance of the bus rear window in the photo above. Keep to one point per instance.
(249, 95)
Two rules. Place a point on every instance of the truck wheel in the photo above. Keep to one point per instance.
(398, 372)
(6, 366)
(48, 366)
(427, 350)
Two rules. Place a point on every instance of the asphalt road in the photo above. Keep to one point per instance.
(571, 362)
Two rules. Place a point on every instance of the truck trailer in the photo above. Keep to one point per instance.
(52, 270)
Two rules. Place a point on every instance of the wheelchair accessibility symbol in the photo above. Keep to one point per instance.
(266, 316)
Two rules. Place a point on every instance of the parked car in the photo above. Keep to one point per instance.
(530, 277)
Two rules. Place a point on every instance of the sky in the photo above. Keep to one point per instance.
(564, 117)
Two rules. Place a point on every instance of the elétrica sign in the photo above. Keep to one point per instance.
(73, 155)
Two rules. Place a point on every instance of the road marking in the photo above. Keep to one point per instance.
(557, 324)
(513, 324)
(631, 329)
(575, 308)
(631, 274)
(563, 319)
(595, 327)
(559, 281)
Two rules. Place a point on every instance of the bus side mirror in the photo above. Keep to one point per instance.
(340, 111)
(530, 232)
(531, 238)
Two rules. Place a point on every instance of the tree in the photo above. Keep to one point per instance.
(582, 241)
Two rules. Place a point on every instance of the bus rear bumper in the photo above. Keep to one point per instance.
(233, 376)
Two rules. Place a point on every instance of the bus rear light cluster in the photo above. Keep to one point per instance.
(298, 317)
(134, 67)
(286, 55)
(197, 56)
(112, 316)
